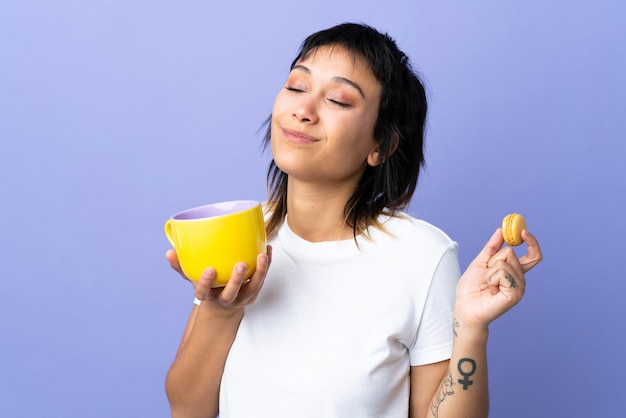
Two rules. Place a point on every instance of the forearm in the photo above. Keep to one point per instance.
(193, 381)
(464, 391)
(188, 328)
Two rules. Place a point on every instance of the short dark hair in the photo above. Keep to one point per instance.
(399, 129)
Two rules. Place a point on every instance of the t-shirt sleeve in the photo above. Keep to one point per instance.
(434, 335)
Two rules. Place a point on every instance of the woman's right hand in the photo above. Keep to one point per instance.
(237, 293)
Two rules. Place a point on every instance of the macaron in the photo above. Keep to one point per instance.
(512, 227)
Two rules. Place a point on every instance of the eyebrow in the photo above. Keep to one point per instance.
(337, 79)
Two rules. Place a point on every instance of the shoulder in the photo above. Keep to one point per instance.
(409, 229)
(404, 239)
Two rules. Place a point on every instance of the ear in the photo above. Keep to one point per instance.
(373, 158)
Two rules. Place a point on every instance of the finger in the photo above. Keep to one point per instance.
(509, 267)
(534, 255)
(231, 290)
(204, 285)
(510, 286)
(268, 251)
(172, 258)
(490, 249)
(258, 277)
(508, 257)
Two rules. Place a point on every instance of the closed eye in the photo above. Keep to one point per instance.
(340, 104)
(290, 88)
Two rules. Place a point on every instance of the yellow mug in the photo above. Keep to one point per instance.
(218, 235)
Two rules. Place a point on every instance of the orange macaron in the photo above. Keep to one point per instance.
(512, 227)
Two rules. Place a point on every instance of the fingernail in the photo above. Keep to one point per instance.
(263, 259)
(208, 273)
(241, 268)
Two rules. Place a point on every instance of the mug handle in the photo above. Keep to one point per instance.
(168, 232)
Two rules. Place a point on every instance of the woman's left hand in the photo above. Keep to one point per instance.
(494, 282)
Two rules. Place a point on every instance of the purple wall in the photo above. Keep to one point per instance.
(114, 115)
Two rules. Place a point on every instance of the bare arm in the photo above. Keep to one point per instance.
(492, 284)
(425, 380)
(460, 384)
(193, 381)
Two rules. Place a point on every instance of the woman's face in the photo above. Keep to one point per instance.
(323, 119)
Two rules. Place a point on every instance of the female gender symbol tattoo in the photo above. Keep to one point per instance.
(465, 381)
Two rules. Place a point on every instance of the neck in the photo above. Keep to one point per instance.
(317, 213)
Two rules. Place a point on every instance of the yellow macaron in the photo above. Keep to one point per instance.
(512, 227)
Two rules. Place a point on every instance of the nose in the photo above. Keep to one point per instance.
(306, 110)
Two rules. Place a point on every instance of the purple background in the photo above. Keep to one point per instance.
(116, 114)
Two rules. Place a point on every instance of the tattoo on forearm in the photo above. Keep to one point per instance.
(466, 371)
(511, 281)
(445, 390)
(455, 324)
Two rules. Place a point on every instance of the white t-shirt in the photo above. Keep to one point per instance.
(335, 327)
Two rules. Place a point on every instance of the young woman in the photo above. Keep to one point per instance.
(364, 311)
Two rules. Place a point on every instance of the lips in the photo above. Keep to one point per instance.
(298, 137)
